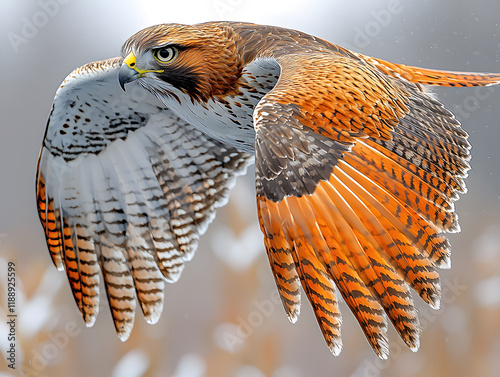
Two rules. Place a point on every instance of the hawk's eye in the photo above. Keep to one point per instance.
(165, 54)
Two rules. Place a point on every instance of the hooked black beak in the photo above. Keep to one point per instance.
(130, 72)
(126, 75)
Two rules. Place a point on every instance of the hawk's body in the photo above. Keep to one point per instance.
(357, 169)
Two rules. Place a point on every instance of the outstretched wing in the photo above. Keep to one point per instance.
(356, 175)
(124, 184)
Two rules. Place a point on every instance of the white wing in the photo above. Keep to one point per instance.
(126, 185)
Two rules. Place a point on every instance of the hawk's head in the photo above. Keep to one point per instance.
(201, 61)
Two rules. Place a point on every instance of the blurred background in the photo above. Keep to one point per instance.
(222, 318)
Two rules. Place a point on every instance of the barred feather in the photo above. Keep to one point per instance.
(132, 201)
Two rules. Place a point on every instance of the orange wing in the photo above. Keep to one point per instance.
(357, 171)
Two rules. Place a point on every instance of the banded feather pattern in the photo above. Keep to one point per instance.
(357, 170)
(372, 207)
(134, 205)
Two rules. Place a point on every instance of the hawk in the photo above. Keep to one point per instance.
(357, 170)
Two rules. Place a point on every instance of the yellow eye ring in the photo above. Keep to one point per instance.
(166, 54)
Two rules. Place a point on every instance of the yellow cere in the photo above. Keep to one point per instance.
(130, 60)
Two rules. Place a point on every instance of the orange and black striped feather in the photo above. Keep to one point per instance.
(357, 173)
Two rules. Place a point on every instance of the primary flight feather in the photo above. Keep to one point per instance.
(357, 170)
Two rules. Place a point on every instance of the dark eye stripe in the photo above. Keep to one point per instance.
(184, 78)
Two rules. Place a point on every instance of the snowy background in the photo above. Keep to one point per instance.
(222, 317)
